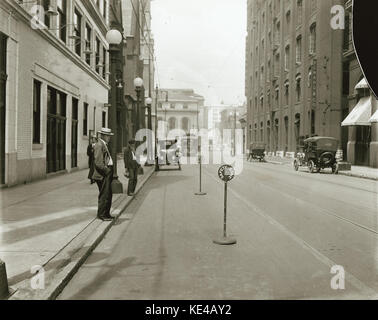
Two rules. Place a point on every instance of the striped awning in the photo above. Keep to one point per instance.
(360, 115)
(374, 118)
(362, 84)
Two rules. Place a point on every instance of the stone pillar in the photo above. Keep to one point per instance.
(374, 136)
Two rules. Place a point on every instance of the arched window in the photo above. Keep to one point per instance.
(172, 123)
(185, 124)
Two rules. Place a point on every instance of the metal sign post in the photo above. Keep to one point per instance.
(200, 193)
(226, 173)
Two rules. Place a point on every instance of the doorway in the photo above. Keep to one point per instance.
(362, 145)
(3, 80)
(74, 133)
(56, 130)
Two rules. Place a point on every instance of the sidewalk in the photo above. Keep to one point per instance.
(48, 222)
(357, 171)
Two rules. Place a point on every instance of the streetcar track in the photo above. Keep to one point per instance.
(365, 289)
(320, 209)
(314, 177)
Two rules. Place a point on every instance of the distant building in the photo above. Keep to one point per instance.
(180, 109)
(293, 72)
(53, 85)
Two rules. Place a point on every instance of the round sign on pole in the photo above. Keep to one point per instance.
(226, 173)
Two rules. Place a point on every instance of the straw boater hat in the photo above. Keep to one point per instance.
(106, 132)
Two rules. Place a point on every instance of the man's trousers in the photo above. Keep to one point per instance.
(105, 196)
(133, 180)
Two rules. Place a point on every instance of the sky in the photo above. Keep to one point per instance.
(200, 44)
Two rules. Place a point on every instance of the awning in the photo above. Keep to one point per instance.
(374, 118)
(362, 84)
(360, 115)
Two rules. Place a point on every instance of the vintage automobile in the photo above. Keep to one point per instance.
(169, 153)
(317, 154)
(257, 151)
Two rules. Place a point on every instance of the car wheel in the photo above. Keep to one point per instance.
(296, 165)
(335, 168)
(311, 166)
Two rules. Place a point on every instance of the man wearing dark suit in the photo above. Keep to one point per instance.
(103, 174)
(131, 167)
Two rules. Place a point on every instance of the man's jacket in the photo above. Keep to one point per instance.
(130, 162)
(101, 160)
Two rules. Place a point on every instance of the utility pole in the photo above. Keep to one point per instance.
(156, 127)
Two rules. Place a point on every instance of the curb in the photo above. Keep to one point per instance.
(60, 270)
(343, 173)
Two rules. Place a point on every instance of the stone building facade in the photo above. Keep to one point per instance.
(181, 109)
(293, 72)
(54, 85)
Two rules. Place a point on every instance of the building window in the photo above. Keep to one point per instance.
(45, 4)
(77, 32)
(85, 119)
(287, 58)
(287, 93)
(172, 106)
(105, 9)
(299, 12)
(277, 65)
(104, 119)
(37, 112)
(104, 62)
(313, 39)
(172, 123)
(185, 106)
(62, 19)
(298, 51)
(288, 20)
(298, 88)
(88, 44)
(98, 51)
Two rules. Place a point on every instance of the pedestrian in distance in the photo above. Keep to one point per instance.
(90, 154)
(103, 174)
(131, 167)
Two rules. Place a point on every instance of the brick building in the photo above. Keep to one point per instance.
(294, 72)
(54, 85)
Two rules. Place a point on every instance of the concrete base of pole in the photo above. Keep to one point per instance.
(117, 187)
(200, 193)
(4, 290)
(225, 241)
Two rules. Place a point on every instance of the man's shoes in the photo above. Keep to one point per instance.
(106, 218)
(131, 194)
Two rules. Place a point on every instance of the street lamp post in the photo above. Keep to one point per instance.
(200, 193)
(138, 84)
(114, 38)
(149, 126)
(156, 127)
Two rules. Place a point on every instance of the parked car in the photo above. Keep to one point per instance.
(317, 153)
(169, 153)
(257, 151)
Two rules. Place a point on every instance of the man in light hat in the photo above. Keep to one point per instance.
(103, 174)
